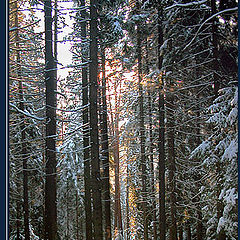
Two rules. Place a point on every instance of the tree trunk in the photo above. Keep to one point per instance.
(51, 86)
(118, 213)
(180, 233)
(95, 161)
(189, 233)
(151, 148)
(77, 222)
(86, 152)
(221, 235)
(199, 232)
(172, 168)
(215, 50)
(154, 218)
(142, 133)
(67, 209)
(24, 153)
(161, 136)
(18, 210)
(105, 156)
(127, 202)
(55, 33)
(199, 225)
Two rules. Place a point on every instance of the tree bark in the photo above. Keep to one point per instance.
(189, 233)
(142, 133)
(24, 153)
(154, 214)
(77, 222)
(180, 233)
(221, 235)
(86, 143)
(161, 135)
(105, 156)
(51, 86)
(172, 168)
(127, 202)
(118, 212)
(197, 178)
(215, 50)
(18, 221)
(95, 161)
(151, 148)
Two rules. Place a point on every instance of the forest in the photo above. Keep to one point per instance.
(123, 119)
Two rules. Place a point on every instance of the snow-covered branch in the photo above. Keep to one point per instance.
(26, 113)
(213, 16)
(186, 4)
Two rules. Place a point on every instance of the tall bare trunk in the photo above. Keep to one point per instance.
(118, 212)
(170, 106)
(105, 156)
(127, 203)
(142, 134)
(93, 99)
(161, 136)
(180, 233)
(51, 86)
(215, 50)
(188, 229)
(86, 152)
(172, 166)
(154, 214)
(18, 220)
(24, 153)
(77, 222)
(221, 235)
(151, 149)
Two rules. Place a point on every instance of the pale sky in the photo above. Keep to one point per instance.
(64, 54)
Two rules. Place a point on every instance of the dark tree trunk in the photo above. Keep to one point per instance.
(161, 136)
(199, 225)
(127, 202)
(199, 232)
(25, 173)
(51, 86)
(86, 152)
(24, 153)
(189, 233)
(215, 50)
(221, 235)
(105, 156)
(55, 33)
(77, 222)
(118, 212)
(142, 133)
(95, 161)
(18, 220)
(180, 233)
(151, 149)
(67, 209)
(172, 167)
(154, 218)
